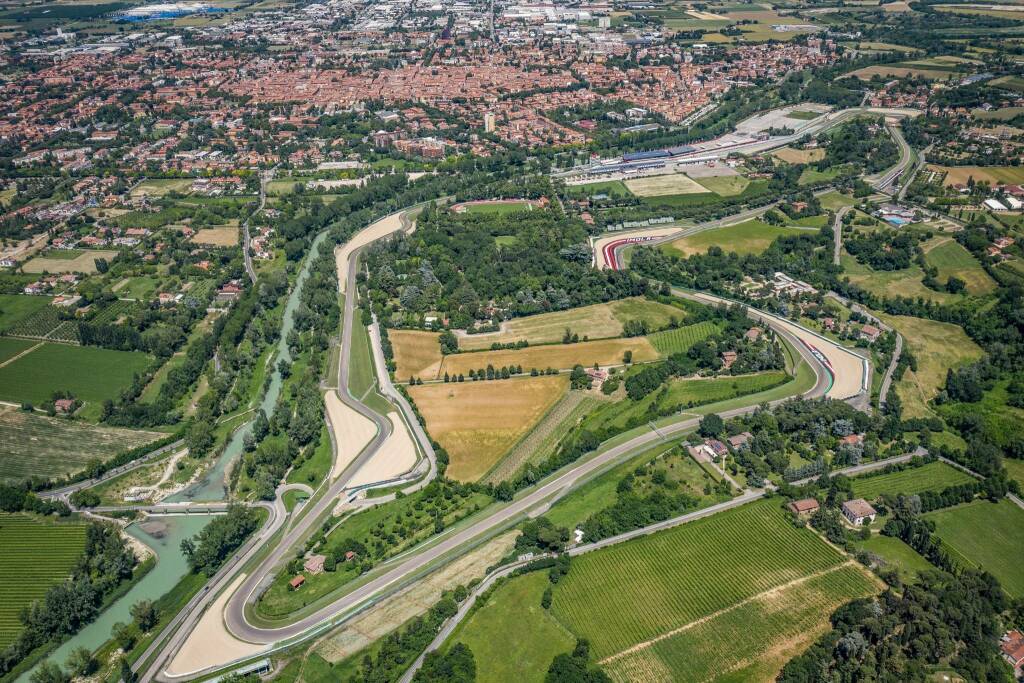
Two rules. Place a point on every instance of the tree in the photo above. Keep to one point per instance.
(579, 379)
(711, 425)
(81, 662)
(455, 666)
(124, 635)
(574, 668)
(144, 614)
(49, 672)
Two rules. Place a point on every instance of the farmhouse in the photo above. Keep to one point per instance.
(739, 441)
(859, 511)
(804, 506)
(314, 565)
(1012, 647)
(870, 333)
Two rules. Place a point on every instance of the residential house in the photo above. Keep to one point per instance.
(314, 564)
(870, 333)
(858, 511)
(740, 441)
(804, 506)
(1012, 647)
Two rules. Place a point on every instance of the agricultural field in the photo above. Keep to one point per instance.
(217, 237)
(504, 647)
(1014, 83)
(986, 535)
(934, 476)
(749, 237)
(158, 187)
(416, 353)
(478, 422)
(833, 200)
(558, 356)
(894, 71)
(36, 444)
(498, 208)
(995, 175)
(737, 593)
(91, 374)
(682, 338)
(12, 348)
(799, 156)
(663, 185)
(83, 262)
(725, 185)
(44, 323)
(609, 187)
(37, 554)
(953, 260)
(597, 321)
(15, 307)
(937, 347)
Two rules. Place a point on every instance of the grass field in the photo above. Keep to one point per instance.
(734, 594)
(603, 187)
(217, 237)
(799, 156)
(934, 476)
(891, 71)
(478, 422)
(497, 208)
(749, 237)
(663, 185)
(1015, 468)
(682, 338)
(558, 356)
(596, 321)
(15, 307)
(937, 347)
(958, 175)
(833, 200)
(883, 283)
(158, 187)
(953, 260)
(988, 535)
(85, 262)
(896, 554)
(10, 347)
(37, 554)
(504, 650)
(725, 185)
(36, 444)
(89, 373)
(1014, 83)
(417, 354)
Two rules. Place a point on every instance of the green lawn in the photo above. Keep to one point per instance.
(834, 200)
(897, 554)
(15, 307)
(361, 376)
(988, 535)
(497, 208)
(608, 187)
(1015, 468)
(749, 237)
(512, 637)
(934, 476)
(726, 185)
(89, 373)
(812, 175)
(37, 554)
(953, 260)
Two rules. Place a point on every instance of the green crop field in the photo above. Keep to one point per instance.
(37, 554)
(36, 444)
(987, 535)
(682, 338)
(934, 476)
(91, 374)
(654, 608)
(15, 307)
(10, 347)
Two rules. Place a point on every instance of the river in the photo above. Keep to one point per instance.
(212, 486)
(163, 535)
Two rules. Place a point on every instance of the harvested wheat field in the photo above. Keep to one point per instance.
(478, 422)
(417, 354)
(661, 185)
(799, 156)
(558, 356)
(68, 262)
(217, 237)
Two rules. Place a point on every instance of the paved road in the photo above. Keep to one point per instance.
(837, 229)
(905, 185)
(265, 177)
(883, 390)
(64, 491)
(885, 181)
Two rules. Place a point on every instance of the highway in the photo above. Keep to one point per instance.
(837, 233)
(884, 182)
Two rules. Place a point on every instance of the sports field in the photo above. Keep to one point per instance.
(36, 444)
(937, 347)
(417, 354)
(89, 373)
(37, 554)
(934, 476)
(478, 422)
(663, 185)
(84, 262)
(988, 535)
(596, 321)
(736, 594)
(749, 237)
(953, 260)
(558, 356)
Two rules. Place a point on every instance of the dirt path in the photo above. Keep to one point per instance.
(764, 595)
(23, 353)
